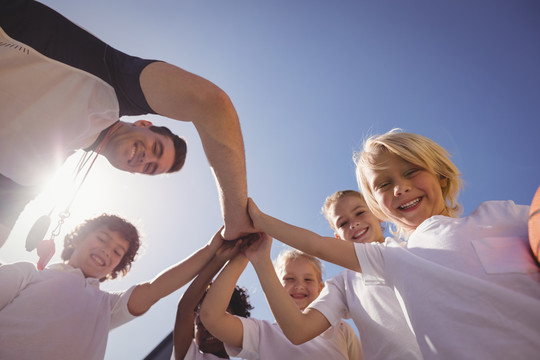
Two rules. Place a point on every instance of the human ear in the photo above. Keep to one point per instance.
(443, 181)
(337, 236)
(143, 123)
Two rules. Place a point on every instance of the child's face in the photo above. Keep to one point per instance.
(301, 281)
(352, 220)
(99, 253)
(406, 193)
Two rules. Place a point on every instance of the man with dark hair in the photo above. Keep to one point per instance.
(62, 89)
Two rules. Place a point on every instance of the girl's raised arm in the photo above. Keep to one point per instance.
(147, 294)
(334, 250)
(297, 326)
(224, 326)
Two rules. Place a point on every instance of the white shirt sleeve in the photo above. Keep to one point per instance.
(371, 260)
(119, 305)
(13, 278)
(331, 302)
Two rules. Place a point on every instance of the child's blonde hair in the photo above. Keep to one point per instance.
(286, 256)
(334, 198)
(413, 148)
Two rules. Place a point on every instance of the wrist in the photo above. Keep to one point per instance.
(262, 265)
(240, 259)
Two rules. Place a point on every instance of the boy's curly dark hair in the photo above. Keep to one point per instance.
(113, 223)
(239, 303)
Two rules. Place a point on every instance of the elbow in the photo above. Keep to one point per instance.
(206, 316)
(297, 334)
(221, 104)
(295, 339)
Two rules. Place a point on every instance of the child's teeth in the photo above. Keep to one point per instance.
(410, 203)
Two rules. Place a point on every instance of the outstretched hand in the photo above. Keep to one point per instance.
(246, 225)
(259, 250)
(225, 250)
(228, 250)
(240, 227)
(216, 241)
(254, 213)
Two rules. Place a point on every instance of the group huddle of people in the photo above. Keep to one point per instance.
(438, 286)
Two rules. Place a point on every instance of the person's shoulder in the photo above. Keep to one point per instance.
(499, 209)
(19, 272)
(389, 241)
(24, 266)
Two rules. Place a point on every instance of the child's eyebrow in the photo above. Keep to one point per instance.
(376, 179)
(105, 234)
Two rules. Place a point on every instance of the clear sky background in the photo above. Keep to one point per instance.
(310, 80)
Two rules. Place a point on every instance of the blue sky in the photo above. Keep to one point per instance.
(310, 80)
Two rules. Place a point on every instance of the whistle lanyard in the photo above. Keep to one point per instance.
(46, 248)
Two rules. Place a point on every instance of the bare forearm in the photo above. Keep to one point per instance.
(295, 325)
(294, 236)
(214, 316)
(217, 299)
(183, 326)
(181, 95)
(330, 249)
(168, 281)
(198, 287)
(224, 148)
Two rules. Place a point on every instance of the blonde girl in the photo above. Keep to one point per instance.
(299, 278)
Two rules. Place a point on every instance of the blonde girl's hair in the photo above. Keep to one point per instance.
(286, 256)
(334, 198)
(413, 148)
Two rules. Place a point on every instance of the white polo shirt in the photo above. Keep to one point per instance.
(56, 313)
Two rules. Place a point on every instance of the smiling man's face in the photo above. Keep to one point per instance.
(135, 148)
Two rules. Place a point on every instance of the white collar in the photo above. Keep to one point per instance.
(75, 271)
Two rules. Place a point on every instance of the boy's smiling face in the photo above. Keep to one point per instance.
(99, 253)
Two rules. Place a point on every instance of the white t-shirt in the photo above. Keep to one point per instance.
(376, 313)
(193, 353)
(69, 108)
(56, 313)
(265, 340)
(469, 285)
